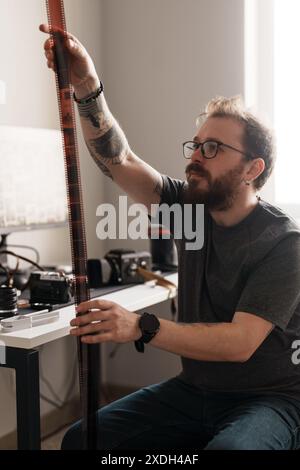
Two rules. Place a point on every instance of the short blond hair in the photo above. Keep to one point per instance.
(258, 139)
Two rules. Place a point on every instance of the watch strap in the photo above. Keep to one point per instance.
(147, 336)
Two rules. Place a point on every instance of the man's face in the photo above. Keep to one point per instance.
(217, 182)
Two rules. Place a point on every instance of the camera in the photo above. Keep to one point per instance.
(50, 288)
(118, 267)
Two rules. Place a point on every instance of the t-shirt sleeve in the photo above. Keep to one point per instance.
(272, 291)
(171, 191)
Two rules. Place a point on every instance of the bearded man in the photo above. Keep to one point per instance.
(238, 296)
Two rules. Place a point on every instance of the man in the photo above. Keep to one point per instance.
(239, 312)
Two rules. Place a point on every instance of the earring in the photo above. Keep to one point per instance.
(247, 183)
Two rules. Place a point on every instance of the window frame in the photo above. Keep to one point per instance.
(259, 79)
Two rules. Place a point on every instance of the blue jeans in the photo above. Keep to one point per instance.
(174, 414)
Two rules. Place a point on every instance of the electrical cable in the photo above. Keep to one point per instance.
(28, 260)
(26, 247)
(12, 253)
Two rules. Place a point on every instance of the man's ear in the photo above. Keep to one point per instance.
(256, 168)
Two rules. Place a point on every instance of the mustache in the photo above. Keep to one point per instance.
(195, 167)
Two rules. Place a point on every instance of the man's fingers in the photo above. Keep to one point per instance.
(45, 28)
(92, 328)
(70, 41)
(48, 29)
(100, 303)
(97, 315)
(49, 54)
(94, 339)
(48, 45)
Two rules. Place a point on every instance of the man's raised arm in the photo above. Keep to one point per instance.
(104, 137)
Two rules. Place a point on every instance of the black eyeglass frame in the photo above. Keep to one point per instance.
(219, 143)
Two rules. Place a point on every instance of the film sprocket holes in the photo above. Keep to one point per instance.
(50, 287)
(118, 267)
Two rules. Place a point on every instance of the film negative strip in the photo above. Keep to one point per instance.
(88, 355)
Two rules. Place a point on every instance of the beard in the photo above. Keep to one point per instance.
(219, 194)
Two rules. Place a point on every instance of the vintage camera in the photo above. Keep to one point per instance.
(50, 288)
(118, 267)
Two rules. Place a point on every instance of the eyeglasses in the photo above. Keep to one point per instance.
(209, 148)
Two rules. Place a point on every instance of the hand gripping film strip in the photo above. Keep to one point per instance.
(88, 354)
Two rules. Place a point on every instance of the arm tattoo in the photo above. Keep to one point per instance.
(95, 120)
(104, 169)
(109, 146)
(105, 139)
(95, 109)
(98, 162)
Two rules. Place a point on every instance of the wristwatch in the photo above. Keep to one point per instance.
(149, 325)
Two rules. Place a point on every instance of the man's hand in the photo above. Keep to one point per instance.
(107, 322)
(83, 74)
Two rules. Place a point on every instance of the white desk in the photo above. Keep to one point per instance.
(133, 299)
(21, 355)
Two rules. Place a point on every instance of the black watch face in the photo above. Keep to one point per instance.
(150, 323)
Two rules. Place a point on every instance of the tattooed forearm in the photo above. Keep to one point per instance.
(95, 120)
(94, 114)
(104, 169)
(94, 110)
(109, 146)
(104, 137)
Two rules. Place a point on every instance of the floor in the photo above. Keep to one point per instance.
(53, 442)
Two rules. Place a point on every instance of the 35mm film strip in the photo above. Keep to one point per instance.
(88, 355)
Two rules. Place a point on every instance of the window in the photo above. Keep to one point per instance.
(272, 78)
(287, 100)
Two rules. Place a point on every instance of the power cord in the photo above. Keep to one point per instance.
(27, 247)
(12, 272)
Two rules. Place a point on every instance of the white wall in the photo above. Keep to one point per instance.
(160, 61)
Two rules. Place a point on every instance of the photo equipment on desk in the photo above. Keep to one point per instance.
(15, 277)
(8, 302)
(33, 195)
(118, 267)
(50, 288)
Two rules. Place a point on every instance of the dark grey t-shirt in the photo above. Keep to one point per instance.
(252, 267)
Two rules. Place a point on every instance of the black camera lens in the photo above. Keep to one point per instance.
(8, 301)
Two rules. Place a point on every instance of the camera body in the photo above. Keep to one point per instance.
(50, 287)
(118, 267)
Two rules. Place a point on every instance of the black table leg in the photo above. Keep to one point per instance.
(26, 364)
